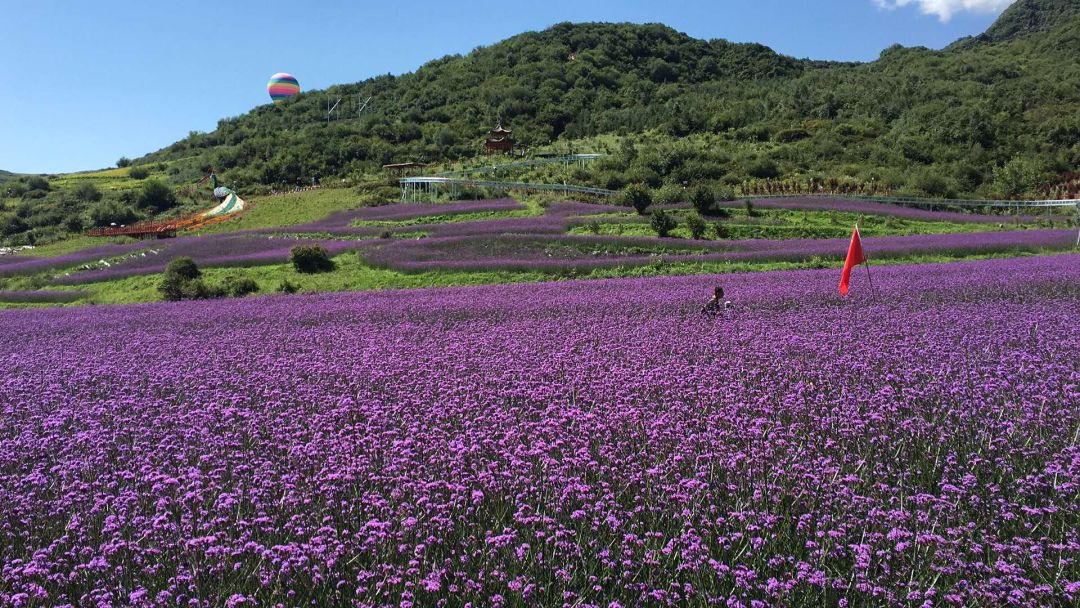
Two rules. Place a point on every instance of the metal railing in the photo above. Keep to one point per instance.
(566, 160)
(924, 202)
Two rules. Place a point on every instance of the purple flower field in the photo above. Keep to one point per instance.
(29, 265)
(341, 222)
(591, 444)
(876, 208)
(404, 211)
(212, 250)
(555, 252)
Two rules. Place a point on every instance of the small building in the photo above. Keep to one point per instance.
(499, 140)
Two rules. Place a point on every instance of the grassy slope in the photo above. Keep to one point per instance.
(107, 179)
(292, 209)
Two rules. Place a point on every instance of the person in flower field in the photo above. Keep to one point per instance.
(716, 305)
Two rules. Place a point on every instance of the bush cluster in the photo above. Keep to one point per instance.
(183, 280)
(662, 223)
(637, 196)
(310, 259)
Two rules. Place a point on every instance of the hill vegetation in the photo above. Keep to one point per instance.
(993, 117)
(1030, 16)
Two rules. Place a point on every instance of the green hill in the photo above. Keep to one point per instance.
(995, 118)
(569, 81)
(1027, 16)
(937, 122)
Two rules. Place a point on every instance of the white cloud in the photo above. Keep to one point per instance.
(945, 9)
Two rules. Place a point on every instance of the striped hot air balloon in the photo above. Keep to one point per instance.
(282, 86)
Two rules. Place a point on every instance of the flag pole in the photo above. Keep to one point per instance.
(868, 278)
(866, 263)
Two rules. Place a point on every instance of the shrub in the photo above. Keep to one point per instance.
(198, 290)
(662, 223)
(11, 224)
(15, 189)
(139, 173)
(721, 231)
(238, 286)
(184, 268)
(703, 200)
(176, 282)
(932, 185)
(697, 226)
(638, 197)
(156, 196)
(86, 192)
(123, 162)
(37, 182)
(311, 259)
(670, 193)
(593, 226)
(763, 169)
(287, 286)
(790, 135)
(749, 204)
(724, 194)
(112, 212)
(74, 223)
(386, 234)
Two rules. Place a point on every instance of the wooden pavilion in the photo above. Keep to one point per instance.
(499, 140)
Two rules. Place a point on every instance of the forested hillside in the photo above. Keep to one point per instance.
(996, 116)
(935, 122)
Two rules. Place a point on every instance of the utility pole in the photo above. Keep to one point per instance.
(329, 110)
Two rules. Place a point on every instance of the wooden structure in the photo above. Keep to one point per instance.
(161, 229)
(140, 230)
(402, 169)
(499, 140)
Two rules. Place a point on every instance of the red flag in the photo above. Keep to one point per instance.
(855, 256)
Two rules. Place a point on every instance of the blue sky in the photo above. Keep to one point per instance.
(88, 82)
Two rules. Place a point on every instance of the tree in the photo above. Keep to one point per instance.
(310, 259)
(176, 282)
(1016, 177)
(123, 162)
(156, 196)
(697, 226)
(638, 197)
(703, 199)
(662, 223)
